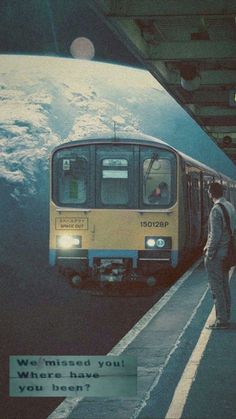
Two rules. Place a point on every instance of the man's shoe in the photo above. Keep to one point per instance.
(218, 325)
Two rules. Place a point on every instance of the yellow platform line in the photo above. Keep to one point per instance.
(183, 388)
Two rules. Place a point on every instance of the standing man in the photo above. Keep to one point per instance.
(215, 251)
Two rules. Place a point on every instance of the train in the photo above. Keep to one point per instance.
(127, 208)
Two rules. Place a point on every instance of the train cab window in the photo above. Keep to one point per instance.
(114, 182)
(157, 182)
(72, 180)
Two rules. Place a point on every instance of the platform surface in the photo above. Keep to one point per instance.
(184, 369)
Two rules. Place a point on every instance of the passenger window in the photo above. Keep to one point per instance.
(195, 195)
(114, 182)
(72, 181)
(157, 181)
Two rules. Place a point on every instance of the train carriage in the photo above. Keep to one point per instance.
(126, 207)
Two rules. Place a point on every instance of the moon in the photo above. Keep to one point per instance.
(82, 48)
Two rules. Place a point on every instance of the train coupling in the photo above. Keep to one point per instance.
(119, 271)
(110, 270)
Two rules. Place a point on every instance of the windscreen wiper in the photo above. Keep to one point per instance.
(154, 158)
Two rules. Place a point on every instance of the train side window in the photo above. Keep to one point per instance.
(232, 193)
(157, 181)
(72, 181)
(114, 182)
(195, 194)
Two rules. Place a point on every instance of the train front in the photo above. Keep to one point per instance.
(113, 210)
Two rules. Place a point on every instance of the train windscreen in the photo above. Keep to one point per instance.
(104, 176)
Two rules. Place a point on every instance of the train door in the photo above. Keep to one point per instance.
(114, 177)
(194, 209)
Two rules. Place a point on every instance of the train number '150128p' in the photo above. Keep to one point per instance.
(161, 224)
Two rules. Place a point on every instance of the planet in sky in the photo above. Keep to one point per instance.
(46, 101)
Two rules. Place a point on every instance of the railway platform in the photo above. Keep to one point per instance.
(184, 369)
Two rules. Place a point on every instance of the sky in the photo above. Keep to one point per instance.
(48, 27)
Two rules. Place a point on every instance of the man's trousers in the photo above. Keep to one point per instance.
(219, 286)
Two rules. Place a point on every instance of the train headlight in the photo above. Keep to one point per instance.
(68, 242)
(153, 242)
(150, 242)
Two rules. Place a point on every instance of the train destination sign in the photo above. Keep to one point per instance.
(71, 223)
(62, 376)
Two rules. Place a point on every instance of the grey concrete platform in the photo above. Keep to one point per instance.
(213, 392)
(163, 342)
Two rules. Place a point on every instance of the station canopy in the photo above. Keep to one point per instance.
(189, 46)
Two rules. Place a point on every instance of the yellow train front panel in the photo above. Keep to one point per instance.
(109, 233)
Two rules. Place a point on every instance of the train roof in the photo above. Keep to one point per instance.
(138, 138)
(113, 137)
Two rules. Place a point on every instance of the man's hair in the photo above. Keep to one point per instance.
(216, 189)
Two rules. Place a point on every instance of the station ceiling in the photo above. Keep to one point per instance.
(190, 48)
